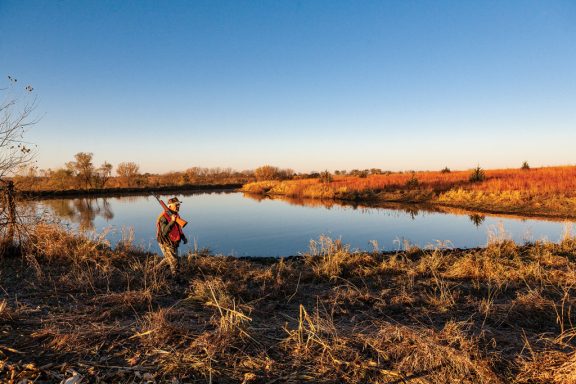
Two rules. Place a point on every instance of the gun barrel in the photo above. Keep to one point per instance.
(179, 220)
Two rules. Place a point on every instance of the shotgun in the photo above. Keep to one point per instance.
(179, 220)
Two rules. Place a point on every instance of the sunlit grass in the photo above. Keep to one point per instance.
(502, 313)
(543, 191)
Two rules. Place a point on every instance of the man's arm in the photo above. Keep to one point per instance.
(166, 226)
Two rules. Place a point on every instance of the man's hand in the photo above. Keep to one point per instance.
(174, 217)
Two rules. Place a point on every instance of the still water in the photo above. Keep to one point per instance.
(232, 223)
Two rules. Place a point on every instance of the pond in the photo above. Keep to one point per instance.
(232, 223)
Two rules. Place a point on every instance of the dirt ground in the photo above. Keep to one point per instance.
(73, 310)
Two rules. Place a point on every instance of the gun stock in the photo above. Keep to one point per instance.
(181, 222)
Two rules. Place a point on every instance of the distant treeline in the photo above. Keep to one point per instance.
(82, 174)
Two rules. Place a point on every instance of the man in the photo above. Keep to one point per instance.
(169, 234)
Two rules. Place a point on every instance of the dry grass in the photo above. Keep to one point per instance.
(503, 313)
(549, 191)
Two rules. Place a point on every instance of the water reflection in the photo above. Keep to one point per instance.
(477, 219)
(82, 211)
(412, 209)
(254, 225)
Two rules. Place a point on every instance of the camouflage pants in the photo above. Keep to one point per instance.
(170, 257)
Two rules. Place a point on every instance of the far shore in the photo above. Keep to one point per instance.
(470, 205)
(69, 193)
(547, 192)
(478, 197)
(425, 205)
(541, 207)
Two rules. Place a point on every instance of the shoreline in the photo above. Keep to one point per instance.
(126, 191)
(376, 199)
(373, 199)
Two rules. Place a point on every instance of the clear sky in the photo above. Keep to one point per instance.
(308, 85)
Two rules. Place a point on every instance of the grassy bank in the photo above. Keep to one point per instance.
(72, 306)
(547, 191)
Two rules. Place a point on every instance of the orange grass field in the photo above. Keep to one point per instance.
(547, 181)
(543, 191)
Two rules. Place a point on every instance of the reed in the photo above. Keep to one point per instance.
(497, 314)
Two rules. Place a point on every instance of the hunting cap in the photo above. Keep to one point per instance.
(174, 200)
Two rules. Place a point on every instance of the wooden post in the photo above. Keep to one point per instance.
(10, 212)
(11, 205)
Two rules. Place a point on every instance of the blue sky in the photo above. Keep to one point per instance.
(308, 85)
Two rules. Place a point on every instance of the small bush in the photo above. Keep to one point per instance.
(445, 170)
(477, 175)
(325, 177)
(525, 166)
(413, 182)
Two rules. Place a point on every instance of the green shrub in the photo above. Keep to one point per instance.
(477, 175)
(325, 177)
(413, 182)
(525, 166)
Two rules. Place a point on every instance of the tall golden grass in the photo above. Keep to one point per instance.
(537, 181)
(85, 311)
(544, 191)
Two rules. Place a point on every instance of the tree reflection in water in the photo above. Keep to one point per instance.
(82, 211)
(477, 219)
(413, 210)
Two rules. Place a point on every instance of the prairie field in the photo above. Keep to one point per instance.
(549, 191)
(72, 308)
(287, 192)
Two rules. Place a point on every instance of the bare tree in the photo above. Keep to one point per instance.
(128, 169)
(267, 172)
(127, 172)
(61, 178)
(82, 168)
(16, 116)
(102, 175)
